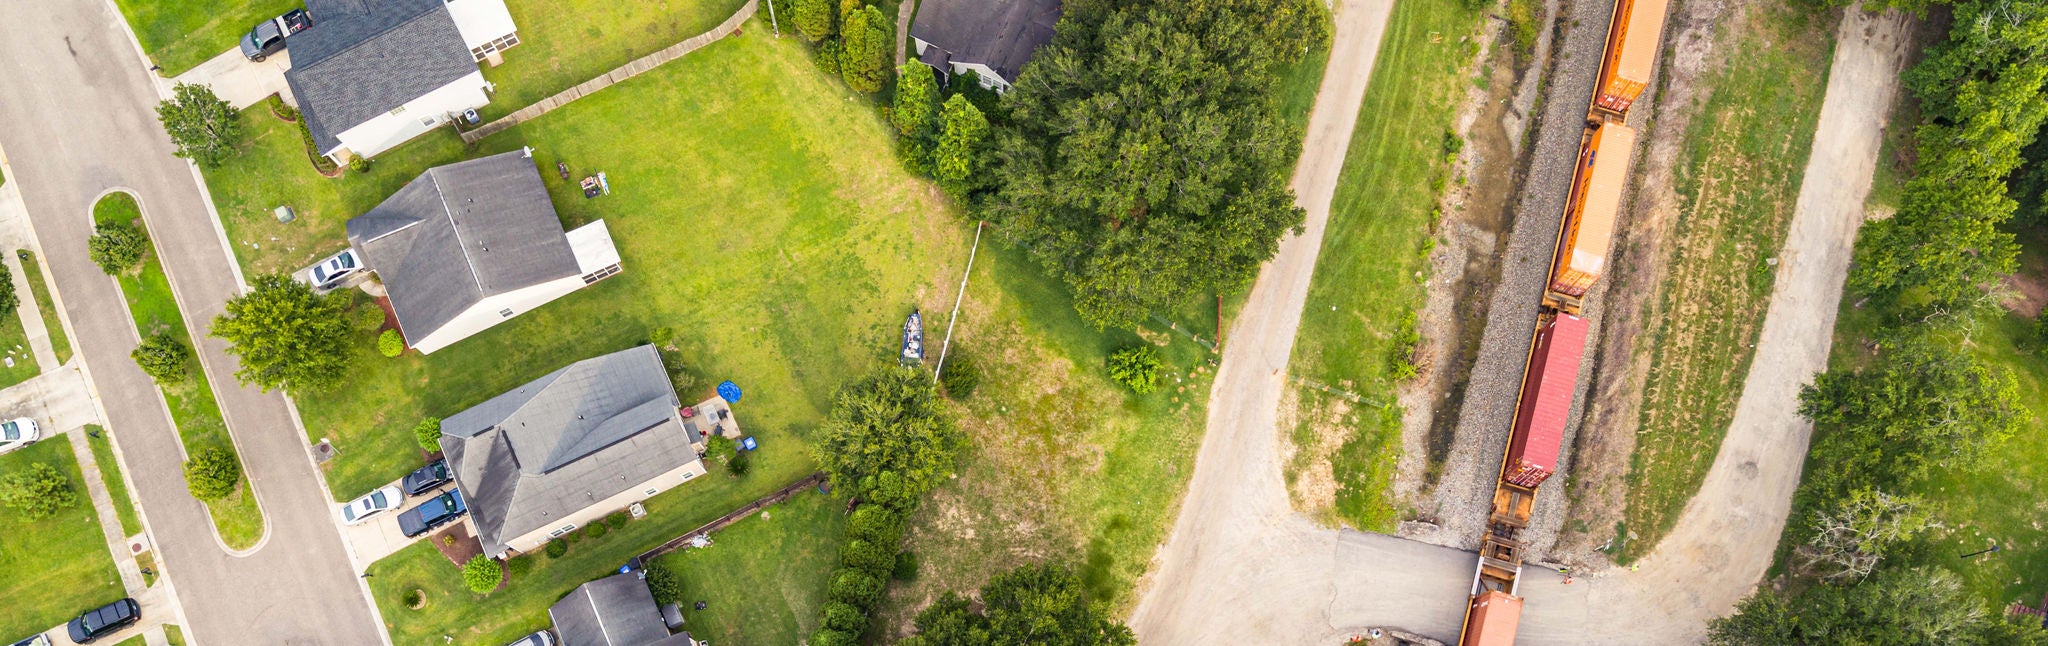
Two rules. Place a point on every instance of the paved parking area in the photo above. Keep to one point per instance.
(237, 80)
(379, 536)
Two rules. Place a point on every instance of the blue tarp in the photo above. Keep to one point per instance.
(730, 391)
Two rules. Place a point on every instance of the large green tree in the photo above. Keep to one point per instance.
(1903, 607)
(1926, 404)
(916, 110)
(813, 19)
(889, 438)
(204, 127)
(1036, 605)
(286, 336)
(868, 41)
(37, 491)
(1144, 158)
(960, 162)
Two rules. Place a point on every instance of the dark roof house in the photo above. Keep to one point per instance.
(541, 455)
(366, 58)
(993, 38)
(617, 610)
(464, 243)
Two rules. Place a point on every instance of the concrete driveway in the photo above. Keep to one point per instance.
(237, 80)
(378, 537)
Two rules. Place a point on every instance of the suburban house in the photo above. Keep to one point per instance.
(469, 245)
(576, 445)
(992, 38)
(617, 610)
(372, 74)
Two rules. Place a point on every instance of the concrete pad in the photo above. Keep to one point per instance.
(239, 81)
(378, 537)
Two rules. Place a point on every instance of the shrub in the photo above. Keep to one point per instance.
(617, 519)
(827, 57)
(813, 19)
(281, 110)
(482, 574)
(369, 317)
(740, 464)
(116, 246)
(556, 548)
(358, 165)
(906, 567)
(37, 492)
(212, 473)
(1137, 368)
(597, 530)
(830, 637)
(413, 598)
(867, 557)
(875, 524)
(845, 618)
(666, 585)
(8, 299)
(162, 357)
(959, 376)
(428, 434)
(854, 587)
(320, 162)
(721, 447)
(390, 344)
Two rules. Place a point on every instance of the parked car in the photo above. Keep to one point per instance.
(268, 36)
(18, 432)
(425, 478)
(104, 620)
(34, 640)
(377, 502)
(431, 514)
(332, 270)
(542, 638)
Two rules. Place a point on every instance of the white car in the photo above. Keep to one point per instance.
(379, 501)
(335, 268)
(18, 432)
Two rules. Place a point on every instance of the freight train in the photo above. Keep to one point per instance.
(1494, 609)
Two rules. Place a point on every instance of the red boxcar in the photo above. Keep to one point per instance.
(1546, 401)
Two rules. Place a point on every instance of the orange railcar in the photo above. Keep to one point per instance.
(1632, 40)
(1590, 211)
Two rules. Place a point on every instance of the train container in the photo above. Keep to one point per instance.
(1492, 619)
(1590, 212)
(1633, 36)
(1546, 400)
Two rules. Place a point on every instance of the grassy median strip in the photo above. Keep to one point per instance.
(1737, 183)
(54, 568)
(191, 400)
(117, 481)
(1367, 288)
(32, 267)
(180, 34)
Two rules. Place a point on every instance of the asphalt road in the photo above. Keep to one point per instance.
(76, 120)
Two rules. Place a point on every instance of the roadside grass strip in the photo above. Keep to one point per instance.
(117, 481)
(54, 568)
(60, 343)
(178, 35)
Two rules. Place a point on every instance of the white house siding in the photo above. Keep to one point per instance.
(989, 78)
(536, 539)
(486, 25)
(494, 310)
(415, 118)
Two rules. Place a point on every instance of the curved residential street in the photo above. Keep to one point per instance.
(77, 118)
(1240, 561)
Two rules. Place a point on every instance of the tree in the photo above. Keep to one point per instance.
(664, 583)
(286, 336)
(888, 439)
(116, 246)
(916, 110)
(854, 587)
(201, 125)
(813, 19)
(212, 473)
(960, 376)
(390, 344)
(1908, 606)
(162, 357)
(1137, 368)
(1851, 537)
(875, 524)
(961, 159)
(1033, 604)
(830, 637)
(482, 574)
(8, 299)
(1143, 158)
(37, 492)
(845, 618)
(868, 557)
(1925, 403)
(867, 42)
(428, 433)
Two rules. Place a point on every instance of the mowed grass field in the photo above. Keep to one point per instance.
(55, 568)
(1737, 182)
(180, 34)
(566, 42)
(764, 576)
(1373, 250)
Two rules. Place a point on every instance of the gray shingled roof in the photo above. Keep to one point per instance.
(1001, 34)
(459, 233)
(617, 610)
(529, 457)
(364, 58)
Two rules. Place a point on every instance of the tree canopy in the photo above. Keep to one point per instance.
(1902, 607)
(37, 492)
(867, 43)
(204, 127)
(116, 246)
(960, 161)
(1038, 605)
(286, 336)
(162, 357)
(1925, 404)
(1144, 158)
(888, 438)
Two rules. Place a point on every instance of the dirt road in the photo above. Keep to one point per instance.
(1240, 562)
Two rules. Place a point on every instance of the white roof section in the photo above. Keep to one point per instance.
(481, 21)
(592, 245)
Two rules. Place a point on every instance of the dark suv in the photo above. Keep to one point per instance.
(104, 620)
(268, 36)
(425, 478)
(431, 514)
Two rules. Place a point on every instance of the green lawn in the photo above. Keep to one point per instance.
(1737, 183)
(55, 568)
(1374, 251)
(566, 42)
(60, 343)
(537, 580)
(174, 635)
(191, 401)
(14, 345)
(117, 482)
(764, 576)
(181, 34)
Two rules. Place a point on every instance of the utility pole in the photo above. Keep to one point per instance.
(771, 19)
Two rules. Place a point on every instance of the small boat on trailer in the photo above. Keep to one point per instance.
(913, 340)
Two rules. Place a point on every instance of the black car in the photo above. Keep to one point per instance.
(104, 620)
(431, 514)
(425, 479)
(268, 36)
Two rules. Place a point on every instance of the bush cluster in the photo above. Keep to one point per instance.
(959, 376)
(116, 246)
(428, 434)
(37, 492)
(212, 473)
(162, 357)
(482, 574)
(867, 560)
(1137, 368)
